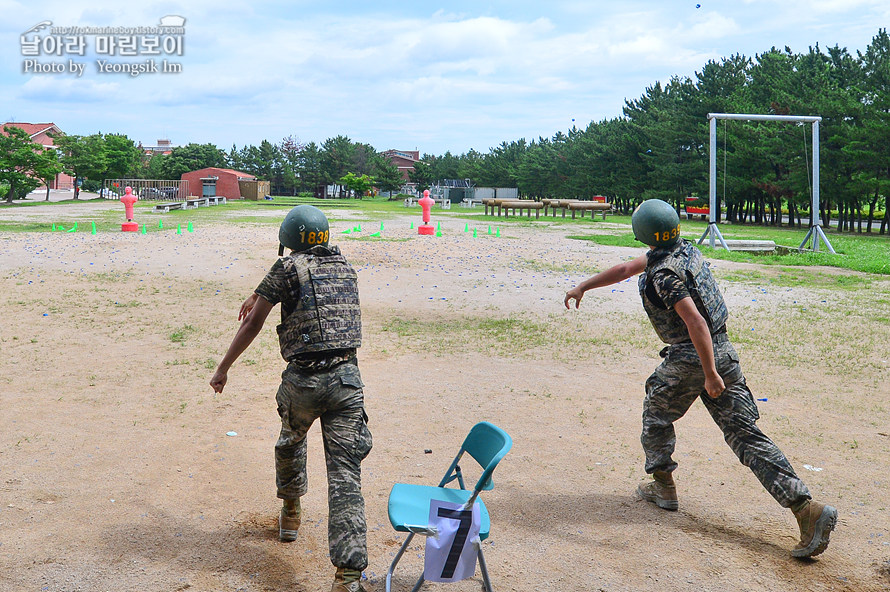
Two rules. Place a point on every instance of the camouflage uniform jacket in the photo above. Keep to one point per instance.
(320, 315)
(684, 266)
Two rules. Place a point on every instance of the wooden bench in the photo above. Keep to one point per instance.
(197, 202)
(589, 206)
(694, 210)
(166, 207)
(216, 200)
(520, 204)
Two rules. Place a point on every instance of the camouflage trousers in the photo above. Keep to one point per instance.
(336, 397)
(672, 389)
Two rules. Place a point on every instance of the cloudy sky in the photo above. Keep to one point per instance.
(408, 75)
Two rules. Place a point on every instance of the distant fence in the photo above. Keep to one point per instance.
(148, 189)
(480, 193)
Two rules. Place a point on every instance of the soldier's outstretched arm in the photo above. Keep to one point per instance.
(613, 275)
(701, 339)
(247, 332)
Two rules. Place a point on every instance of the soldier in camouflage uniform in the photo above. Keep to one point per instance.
(687, 311)
(319, 333)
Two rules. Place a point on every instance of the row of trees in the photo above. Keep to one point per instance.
(25, 165)
(658, 148)
(291, 166)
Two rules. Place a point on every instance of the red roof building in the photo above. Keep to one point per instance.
(404, 160)
(214, 181)
(164, 146)
(39, 133)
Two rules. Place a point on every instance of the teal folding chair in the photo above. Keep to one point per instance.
(409, 505)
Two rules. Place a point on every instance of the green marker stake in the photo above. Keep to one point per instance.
(498, 234)
(438, 233)
(143, 229)
(412, 226)
(191, 229)
(160, 223)
(54, 226)
(381, 227)
(466, 227)
(474, 233)
(347, 231)
(438, 226)
(179, 229)
(375, 234)
(489, 229)
(94, 228)
(73, 228)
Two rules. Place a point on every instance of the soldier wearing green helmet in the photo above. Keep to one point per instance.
(656, 223)
(686, 308)
(304, 227)
(319, 334)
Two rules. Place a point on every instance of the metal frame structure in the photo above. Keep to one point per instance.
(815, 231)
(147, 189)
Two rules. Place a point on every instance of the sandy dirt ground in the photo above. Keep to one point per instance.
(117, 473)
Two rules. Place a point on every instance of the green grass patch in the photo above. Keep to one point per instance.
(500, 336)
(563, 268)
(611, 240)
(180, 335)
(798, 277)
(510, 335)
(865, 253)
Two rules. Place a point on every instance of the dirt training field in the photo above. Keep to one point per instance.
(117, 473)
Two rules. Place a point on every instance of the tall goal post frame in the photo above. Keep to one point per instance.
(815, 232)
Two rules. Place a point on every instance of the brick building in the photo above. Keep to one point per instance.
(40, 134)
(404, 161)
(216, 181)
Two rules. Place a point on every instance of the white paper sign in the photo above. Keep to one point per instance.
(452, 556)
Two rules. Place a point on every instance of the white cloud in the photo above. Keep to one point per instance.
(462, 78)
(49, 88)
(712, 26)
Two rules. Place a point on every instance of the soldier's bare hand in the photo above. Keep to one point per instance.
(247, 306)
(574, 294)
(714, 385)
(218, 382)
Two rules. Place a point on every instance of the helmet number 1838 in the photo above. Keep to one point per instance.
(314, 238)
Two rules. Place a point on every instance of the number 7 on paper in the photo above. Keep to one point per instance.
(452, 556)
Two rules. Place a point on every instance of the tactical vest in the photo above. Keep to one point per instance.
(326, 316)
(686, 261)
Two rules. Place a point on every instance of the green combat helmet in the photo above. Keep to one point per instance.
(655, 222)
(304, 227)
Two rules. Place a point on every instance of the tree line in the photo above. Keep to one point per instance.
(291, 166)
(658, 147)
